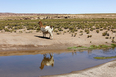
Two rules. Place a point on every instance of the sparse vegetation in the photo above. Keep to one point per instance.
(89, 36)
(104, 33)
(83, 31)
(90, 41)
(106, 37)
(93, 46)
(81, 34)
(58, 33)
(20, 32)
(87, 31)
(75, 34)
(69, 24)
(80, 26)
(113, 41)
(105, 57)
(97, 31)
(79, 47)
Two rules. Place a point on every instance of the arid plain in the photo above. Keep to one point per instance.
(22, 32)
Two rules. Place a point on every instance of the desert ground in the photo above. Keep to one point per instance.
(69, 30)
(35, 40)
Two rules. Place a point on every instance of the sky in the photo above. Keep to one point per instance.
(58, 6)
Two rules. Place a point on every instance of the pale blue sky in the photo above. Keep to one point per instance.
(58, 6)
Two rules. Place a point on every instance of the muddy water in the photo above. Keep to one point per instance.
(50, 64)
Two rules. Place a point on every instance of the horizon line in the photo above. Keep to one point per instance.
(56, 13)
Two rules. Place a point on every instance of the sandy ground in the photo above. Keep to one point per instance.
(18, 41)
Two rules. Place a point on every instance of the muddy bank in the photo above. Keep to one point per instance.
(33, 52)
(32, 47)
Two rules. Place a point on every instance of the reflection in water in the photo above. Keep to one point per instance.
(34, 65)
(74, 53)
(48, 61)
